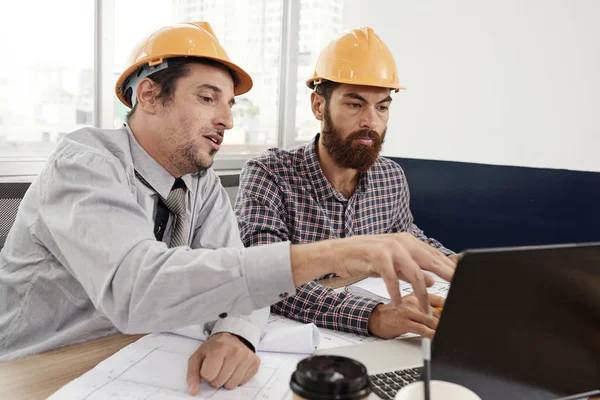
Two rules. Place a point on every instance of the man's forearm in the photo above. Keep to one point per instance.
(326, 308)
(309, 261)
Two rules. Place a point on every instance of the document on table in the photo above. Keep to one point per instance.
(155, 367)
(375, 288)
(281, 336)
(327, 338)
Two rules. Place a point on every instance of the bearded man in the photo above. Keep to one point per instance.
(338, 186)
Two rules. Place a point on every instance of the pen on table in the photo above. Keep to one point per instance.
(426, 347)
(581, 396)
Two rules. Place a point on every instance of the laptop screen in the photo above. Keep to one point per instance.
(522, 323)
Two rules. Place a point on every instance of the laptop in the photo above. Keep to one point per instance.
(518, 323)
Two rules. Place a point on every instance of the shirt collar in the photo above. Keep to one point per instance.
(323, 188)
(154, 173)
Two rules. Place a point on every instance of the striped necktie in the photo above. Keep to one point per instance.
(175, 202)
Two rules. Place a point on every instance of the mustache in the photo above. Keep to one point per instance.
(217, 131)
(364, 134)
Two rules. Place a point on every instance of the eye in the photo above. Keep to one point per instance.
(354, 105)
(384, 108)
(206, 99)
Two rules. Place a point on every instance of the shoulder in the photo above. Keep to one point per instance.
(90, 154)
(275, 163)
(388, 170)
(93, 143)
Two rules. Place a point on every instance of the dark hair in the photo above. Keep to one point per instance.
(326, 88)
(167, 78)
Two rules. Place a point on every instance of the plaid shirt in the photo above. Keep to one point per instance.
(284, 196)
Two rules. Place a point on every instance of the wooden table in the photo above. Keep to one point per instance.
(38, 376)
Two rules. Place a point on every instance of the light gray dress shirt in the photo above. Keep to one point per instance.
(81, 260)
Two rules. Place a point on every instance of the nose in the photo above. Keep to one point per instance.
(368, 118)
(224, 118)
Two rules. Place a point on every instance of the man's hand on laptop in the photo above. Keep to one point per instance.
(388, 322)
(392, 257)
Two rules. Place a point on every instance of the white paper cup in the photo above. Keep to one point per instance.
(439, 390)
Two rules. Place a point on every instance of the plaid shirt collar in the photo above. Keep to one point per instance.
(323, 188)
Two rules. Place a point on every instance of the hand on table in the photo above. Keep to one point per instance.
(223, 360)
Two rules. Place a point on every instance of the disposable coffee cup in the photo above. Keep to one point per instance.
(439, 390)
(330, 378)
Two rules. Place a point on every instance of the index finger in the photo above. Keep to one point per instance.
(193, 372)
(417, 279)
(408, 269)
(388, 273)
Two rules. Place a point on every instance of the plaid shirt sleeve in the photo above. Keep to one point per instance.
(262, 219)
(405, 221)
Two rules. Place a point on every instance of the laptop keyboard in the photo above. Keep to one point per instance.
(386, 385)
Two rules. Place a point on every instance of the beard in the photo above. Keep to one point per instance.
(343, 151)
(183, 150)
(200, 163)
(190, 159)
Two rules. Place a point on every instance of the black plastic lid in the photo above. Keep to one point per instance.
(330, 378)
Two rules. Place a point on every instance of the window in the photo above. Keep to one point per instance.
(314, 35)
(46, 76)
(61, 71)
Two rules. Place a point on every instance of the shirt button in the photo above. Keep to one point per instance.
(223, 315)
(283, 295)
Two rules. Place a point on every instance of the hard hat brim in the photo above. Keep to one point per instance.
(244, 85)
(310, 83)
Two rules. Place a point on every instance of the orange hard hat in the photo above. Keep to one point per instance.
(357, 57)
(188, 39)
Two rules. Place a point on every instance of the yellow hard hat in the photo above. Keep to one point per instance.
(188, 39)
(357, 57)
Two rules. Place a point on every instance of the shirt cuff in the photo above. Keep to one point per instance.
(239, 327)
(268, 273)
(354, 314)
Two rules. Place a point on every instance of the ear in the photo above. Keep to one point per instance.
(146, 95)
(317, 103)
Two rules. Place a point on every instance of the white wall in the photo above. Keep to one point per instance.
(513, 82)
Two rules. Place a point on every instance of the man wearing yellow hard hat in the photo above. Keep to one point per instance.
(338, 186)
(130, 229)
